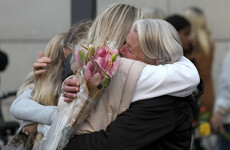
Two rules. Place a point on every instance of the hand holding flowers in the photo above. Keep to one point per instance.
(96, 67)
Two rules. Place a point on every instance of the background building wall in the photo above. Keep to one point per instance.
(27, 25)
(25, 28)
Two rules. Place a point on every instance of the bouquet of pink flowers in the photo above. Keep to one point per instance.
(96, 67)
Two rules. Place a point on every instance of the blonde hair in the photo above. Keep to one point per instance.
(48, 87)
(200, 30)
(76, 33)
(158, 40)
(113, 25)
(27, 83)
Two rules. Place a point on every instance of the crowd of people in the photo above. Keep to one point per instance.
(151, 100)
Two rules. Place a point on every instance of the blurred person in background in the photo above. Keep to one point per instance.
(221, 112)
(3, 60)
(183, 27)
(203, 47)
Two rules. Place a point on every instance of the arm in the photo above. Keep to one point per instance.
(177, 79)
(142, 124)
(24, 108)
(39, 67)
(222, 103)
(223, 97)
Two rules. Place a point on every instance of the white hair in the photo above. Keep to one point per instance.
(158, 40)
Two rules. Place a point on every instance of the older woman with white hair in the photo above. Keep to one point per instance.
(151, 122)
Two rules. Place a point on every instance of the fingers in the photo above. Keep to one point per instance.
(24, 130)
(39, 72)
(72, 89)
(217, 124)
(70, 95)
(68, 100)
(41, 62)
(41, 54)
(40, 65)
(71, 86)
(32, 135)
(72, 82)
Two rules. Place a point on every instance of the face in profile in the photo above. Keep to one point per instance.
(185, 37)
(131, 49)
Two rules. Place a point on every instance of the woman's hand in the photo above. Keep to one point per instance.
(70, 89)
(30, 130)
(217, 124)
(39, 67)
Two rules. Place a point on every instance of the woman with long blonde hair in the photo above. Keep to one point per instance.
(204, 47)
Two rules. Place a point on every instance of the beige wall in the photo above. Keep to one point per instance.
(25, 28)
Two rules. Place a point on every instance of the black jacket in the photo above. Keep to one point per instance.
(162, 123)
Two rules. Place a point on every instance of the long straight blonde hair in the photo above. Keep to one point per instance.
(48, 87)
(113, 24)
(199, 26)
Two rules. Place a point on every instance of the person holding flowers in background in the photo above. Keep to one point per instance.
(103, 113)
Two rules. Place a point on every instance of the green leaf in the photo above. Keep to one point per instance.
(106, 74)
(105, 82)
(82, 56)
(84, 47)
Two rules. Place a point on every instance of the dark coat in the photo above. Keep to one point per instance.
(160, 123)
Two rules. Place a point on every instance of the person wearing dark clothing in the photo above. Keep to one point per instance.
(159, 123)
(3, 60)
(183, 27)
(66, 68)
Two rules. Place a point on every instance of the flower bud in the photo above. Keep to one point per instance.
(114, 56)
(91, 51)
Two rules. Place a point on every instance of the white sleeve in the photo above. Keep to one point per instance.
(24, 108)
(223, 94)
(177, 79)
(42, 128)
